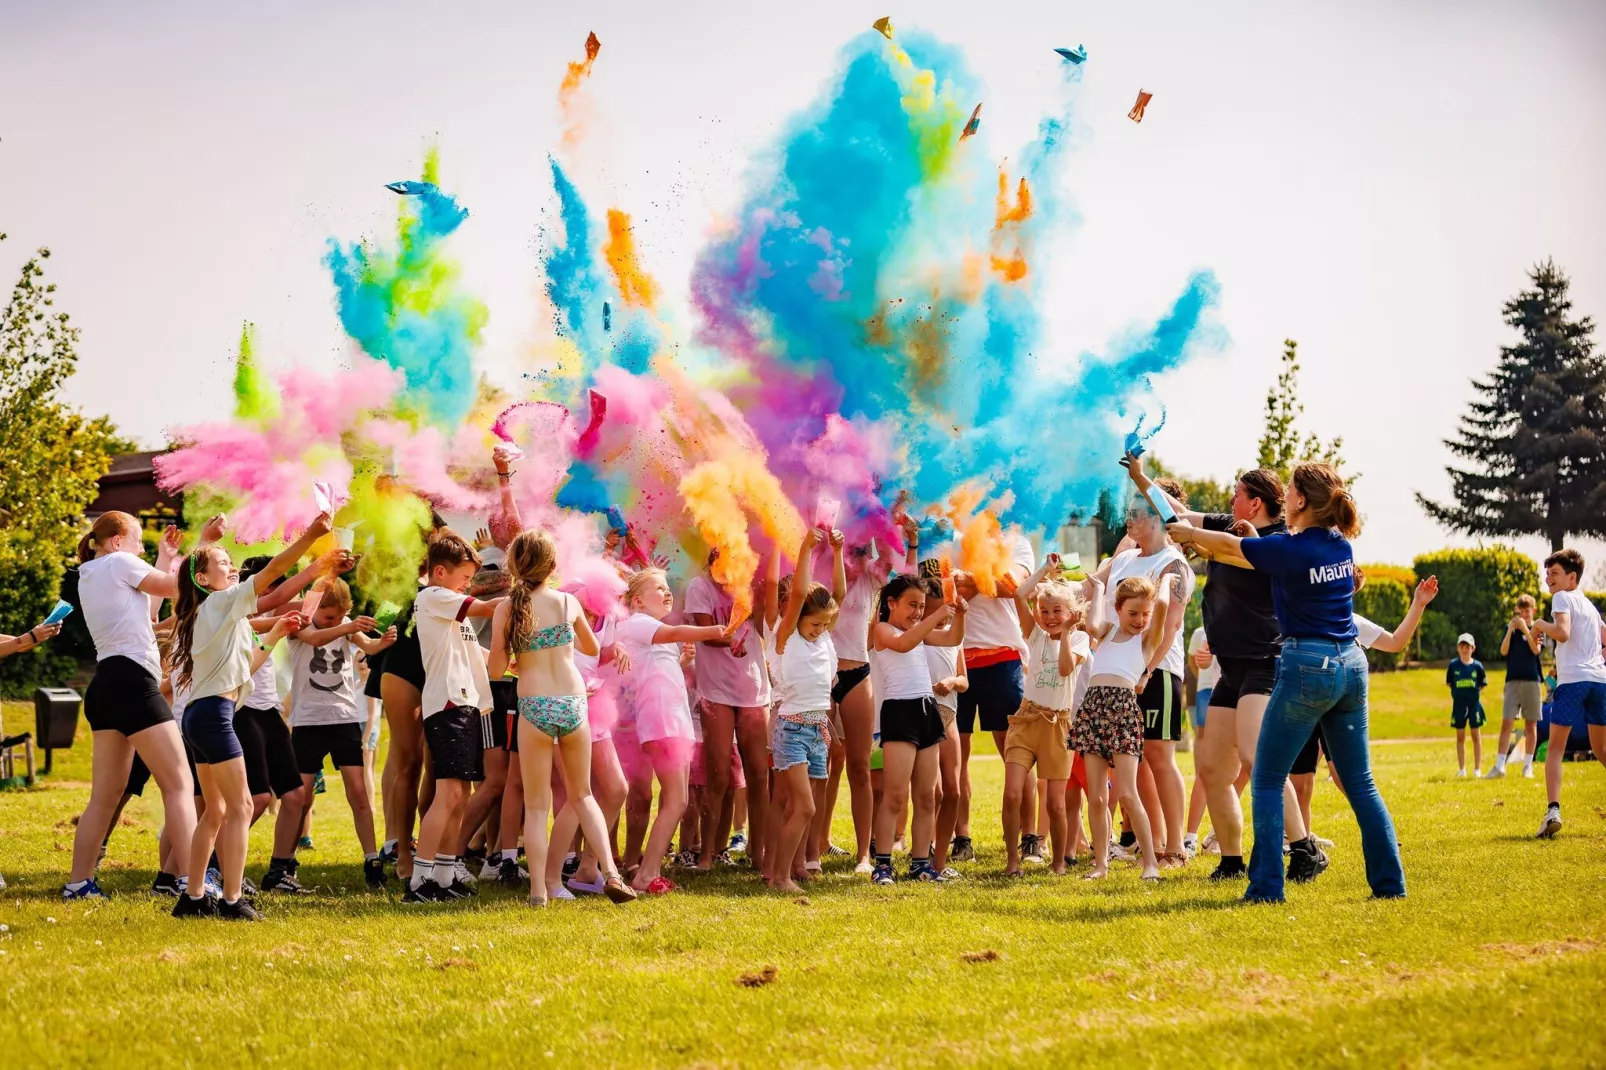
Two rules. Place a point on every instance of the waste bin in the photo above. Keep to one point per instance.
(55, 718)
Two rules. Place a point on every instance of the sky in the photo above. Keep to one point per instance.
(1371, 179)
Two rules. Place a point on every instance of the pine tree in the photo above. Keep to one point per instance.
(1535, 437)
(1281, 446)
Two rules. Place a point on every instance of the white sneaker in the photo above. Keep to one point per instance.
(1124, 854)
(864, 867)
(1528, 772)
(1551, 824)
(491, 870)
(1461, 773)
(1495, 773)
(1190, 845)
(462, 873)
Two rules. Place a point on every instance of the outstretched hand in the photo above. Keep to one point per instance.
(1426, 591)
(213, 529)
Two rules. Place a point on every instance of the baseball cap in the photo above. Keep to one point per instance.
(1466, 637)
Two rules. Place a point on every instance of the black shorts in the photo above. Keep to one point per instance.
(124, 697)
(995, 692)
(270, 759)
(376, 673)
(209, 730)
(912, 720)
(454, 742)
(1163, 708)
(406, 660)
(139, 774)
(846, 681)
(497, 728)
(1240, 677)
(1306, 762)
(315, 742)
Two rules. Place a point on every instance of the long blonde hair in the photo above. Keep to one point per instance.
(531, 557)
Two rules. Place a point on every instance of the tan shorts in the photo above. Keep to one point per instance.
(1034, 739)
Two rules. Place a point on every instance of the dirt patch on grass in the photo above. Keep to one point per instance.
(1545, 948)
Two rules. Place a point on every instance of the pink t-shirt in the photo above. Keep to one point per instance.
(723, 677)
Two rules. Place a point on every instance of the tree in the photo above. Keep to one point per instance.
(1203, 495)
(1281, 446)
(1535, 437)
(54, 456)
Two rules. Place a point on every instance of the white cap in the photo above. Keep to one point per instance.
(1466, 637)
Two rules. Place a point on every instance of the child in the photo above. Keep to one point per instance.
(1580, 696)
(213, 648)
(806, 658)
(1108, 729)
(328, 714)
(1466, 679)
(948, 682)
(1056, 648)
(456, 691)
(911, 726)
(657, 693)
(1525, 692)
(537, 631)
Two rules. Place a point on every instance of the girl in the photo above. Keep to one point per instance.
(1037, 733)
(213, 649)
(807, 662)
(124, 704)
(911, 727)
(948, 682)
(328, 716)
(1108, 729)
(538, 630)
(657, 692)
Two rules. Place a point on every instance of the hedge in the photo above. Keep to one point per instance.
(1478, 592)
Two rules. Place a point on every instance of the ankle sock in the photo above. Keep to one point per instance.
(422, 871)
(371, 856)
(510, 855)
(445, 865)
(388, 847)
(78, 886)
(883, 860)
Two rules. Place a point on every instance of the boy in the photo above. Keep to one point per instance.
(1466, 680)
(456, 690)
(1580, 698)
(1524, 693)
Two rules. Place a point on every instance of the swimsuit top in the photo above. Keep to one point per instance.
(560, 634)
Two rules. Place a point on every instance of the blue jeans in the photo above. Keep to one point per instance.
(1319, 682)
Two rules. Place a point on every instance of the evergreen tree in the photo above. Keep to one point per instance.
(1535, 438)
(1281, 446)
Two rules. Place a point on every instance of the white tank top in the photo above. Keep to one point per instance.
(1130, 563)
(902, 675)
(807, 668)
(853, 620)
(1123, 658)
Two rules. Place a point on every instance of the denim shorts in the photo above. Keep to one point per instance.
(209, 730)
(1580, 702)
(794, 744)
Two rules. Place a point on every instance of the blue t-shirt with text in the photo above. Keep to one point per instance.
(1312, 582)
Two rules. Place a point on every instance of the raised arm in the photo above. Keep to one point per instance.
(800, 589)
(839, 568)
(903, 642)
(1396, 641)
(290, 554)
(16, 644)
(507, 522)
(954, 633)
(333, 563)
(325, 636)
(911, 542)
(1140, 478)
(282, 626)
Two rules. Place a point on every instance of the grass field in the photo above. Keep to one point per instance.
(1497, 957)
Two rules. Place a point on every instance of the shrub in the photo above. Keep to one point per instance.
(1383, 602)
(1478, 591)
(1435, 636)
(1399, 573)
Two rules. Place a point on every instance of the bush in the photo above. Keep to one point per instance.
(1435, 636)
(1478, 591)
(31, 587)
(1398, 573)
(1384, 602)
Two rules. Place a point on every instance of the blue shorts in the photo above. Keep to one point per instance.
(209, 730)
(1580, 702)
(1201, 703)
(995, 692)
(793, 744)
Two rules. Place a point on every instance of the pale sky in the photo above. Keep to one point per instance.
(1373, 179)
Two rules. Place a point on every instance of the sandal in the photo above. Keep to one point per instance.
(618, 891)
(659, 886)
(537, 901)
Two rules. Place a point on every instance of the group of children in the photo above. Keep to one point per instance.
(551, 717)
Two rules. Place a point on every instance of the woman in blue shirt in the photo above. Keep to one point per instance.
(1321, 678)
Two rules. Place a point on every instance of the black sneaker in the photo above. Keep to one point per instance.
(507, 874)
(284, 882)
(427, 892)
(920, 870)
(1230, 869)
(204, 907)
(387, 855)
(373, 872)
(1306, 862)
(962, 850)
(248, 888)
(571, 866)
(165, 884)
(239, 910)
(459, 890)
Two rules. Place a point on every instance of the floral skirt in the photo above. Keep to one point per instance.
(1109, 722)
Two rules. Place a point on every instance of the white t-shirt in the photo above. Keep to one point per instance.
(1131, 563)
(808, 669)
(1366, 633)
(655, 687)
(1044, 684)
(851, 636)
(265, 685)
(1578, 660)
(222, 643)
(991, 623)
(943, 662)
(323, 683)
(117, 614)
(454, 661)
(1212, 672)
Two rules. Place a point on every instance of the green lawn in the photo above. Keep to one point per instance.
(1415, 704)
(1497, 957)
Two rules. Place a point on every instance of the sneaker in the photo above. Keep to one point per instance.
(962, 850)
(864, 867)
(510, 874)
(491, 870)
(948, 874)
(1547, 828)
(166, 884)
(571, 865)
(461, 875)
(427, 892)
(1527, 772)
(1495, 773)
(305, 843)
(738, 844)
(882, 874)
(1460, 773)
(1226, 871)
(1190, 845)
(1210, 845)
(474, 857)
(458, 890)
(724, 859)
(833, 851)
(1307, 863)
(248, 887)
(239, 910)
(387, 855)
(373, 872)
(686, 860)
(188, 907)
(89, 890)
(214, 882)
(920, 870)
(2, 882)
(281, 881)
(1032, 850)
(1122, 854)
